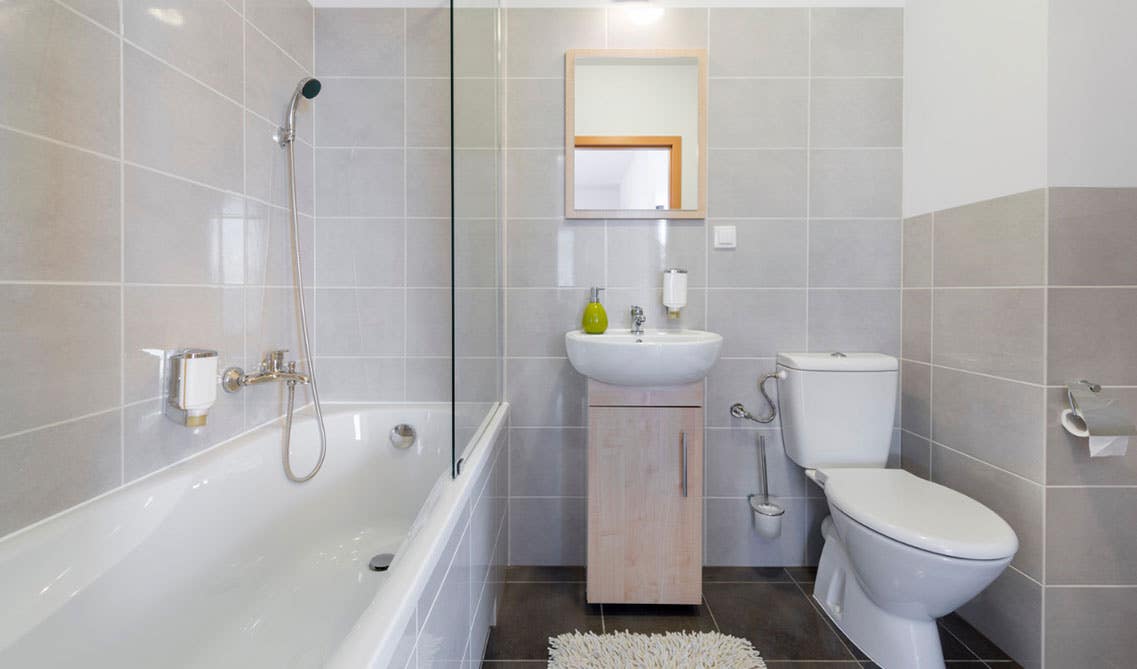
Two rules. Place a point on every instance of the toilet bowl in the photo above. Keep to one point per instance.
(900, 552)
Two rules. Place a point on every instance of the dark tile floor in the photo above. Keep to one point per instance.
(771, 607)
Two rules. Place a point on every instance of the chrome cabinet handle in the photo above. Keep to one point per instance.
(683, 438)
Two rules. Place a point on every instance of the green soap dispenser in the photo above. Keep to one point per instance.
(595, 320)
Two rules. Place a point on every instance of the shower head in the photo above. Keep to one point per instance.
(308, 88)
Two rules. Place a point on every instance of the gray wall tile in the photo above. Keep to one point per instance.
(150, 444)
(360, 42)
(998, 421)
(428, 380)
(1016, 501)
(1091, 538)
(49, 470)
(535, 183)
(759, 42)
(545, 392)
(731, 461)
(915, 455)
(427, 170)
(475, 184)
(756, 113)
(1093, 239)
(361, 379)
(538, 38)
(60, 209)
(736, 380)
(770, 254)
(100, 11)
(854, 254)
(475, 43)
(763, 183)
(916, 398)
(428, 40)
(855, 112)
(639, 251)
(996, 242)
(548, 462)
(476, 125)
(355, 321)
(995, 331)
(268, 245)
(359, 182)
(854, 320)
(1089, 627)
(758, 322)
(428, 252)
(176, 125)
(547, 530)
(917, 327)
(677, 28)
(48, 56)
(1091, 335)
(428, 113)
(620, 301)
(535, 113)
(540, 317)
(918, 251)
(1009, 612)
(852, 182)
(552, 253)
(427, 322)
(287, 23)
(857, 41)
(359, 252)
(733, 541)
(368, 112)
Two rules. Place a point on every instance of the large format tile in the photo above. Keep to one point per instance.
(754, 113)
(288, 23)
(366, 112)
(475, 126)
(757, 183)
(62, 342)
(998, 421)
(428, 183)
(731, 459)
(266, 166)
(916, 335)
(759, 42)
(538, 38)
(545, 392)
(100, 11)
(547, 530)
(1016, 501)
(359, 42)
(639, 251)
(359, 182)
(553, 253)
(736, 380)
(769, 254)
(649, 619)
(152, 441)
(1068, 460)
(1089, 627)
(676, 28)
(60, 212)
(916, 398)
(535, 113)
(855, 112)
(1009, 612)
(476, 184)
(360, 379)
(358, 321)
(915, 455)
(530, 613)
(854, 320)
(534, 183)
(776, 618)
(204, 41)
(993, 331)
(61, 75)
(175, 124)
(541, 316)
(1091, 538)
(428, 41)
(854, 254)
(428, 252)
(49, 470)
(857, 41)
(731, 538)
(360, 252)
(475, 43)
(1093, 238)
(918, 251)
(268, 246)
(758, 322)
(179, 232)
(996, 242)
(547, 462)
(1091, 335)
(428, 318)
(854, 183)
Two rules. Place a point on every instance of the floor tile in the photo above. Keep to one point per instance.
(776, 617)
(832, 664)
(972, 638)
(749, 574)
(530, 613)
(657, 619)
(545, 574)
(802, 574)
(514, 664)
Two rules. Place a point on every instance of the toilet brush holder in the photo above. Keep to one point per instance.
(767, 513)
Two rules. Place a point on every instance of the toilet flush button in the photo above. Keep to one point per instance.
(726, 237)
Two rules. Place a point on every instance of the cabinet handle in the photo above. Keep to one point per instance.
(683, 439)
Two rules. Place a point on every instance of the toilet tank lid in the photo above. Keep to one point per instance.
(836, 361)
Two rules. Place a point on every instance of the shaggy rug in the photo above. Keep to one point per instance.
(673, 650)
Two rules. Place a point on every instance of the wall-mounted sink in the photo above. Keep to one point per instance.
(654, 358)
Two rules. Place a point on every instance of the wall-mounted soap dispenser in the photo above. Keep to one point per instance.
(674, 291)
(193, 386)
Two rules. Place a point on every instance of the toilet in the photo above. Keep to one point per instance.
(899, 551)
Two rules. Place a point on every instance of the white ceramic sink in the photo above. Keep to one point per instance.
(654, 358)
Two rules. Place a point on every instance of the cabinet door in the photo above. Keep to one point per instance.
(645, 505)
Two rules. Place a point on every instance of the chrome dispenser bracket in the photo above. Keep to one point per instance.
(1094, 415)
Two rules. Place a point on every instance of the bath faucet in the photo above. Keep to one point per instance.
(272, 368)
(638, 320)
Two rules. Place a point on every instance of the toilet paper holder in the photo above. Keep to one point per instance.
(1098, 417)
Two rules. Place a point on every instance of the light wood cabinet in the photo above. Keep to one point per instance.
(645, 494)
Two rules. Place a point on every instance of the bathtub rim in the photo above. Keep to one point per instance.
(376, 635)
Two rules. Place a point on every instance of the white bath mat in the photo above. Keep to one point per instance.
(673, 650)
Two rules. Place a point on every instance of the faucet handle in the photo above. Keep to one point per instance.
(274, 360)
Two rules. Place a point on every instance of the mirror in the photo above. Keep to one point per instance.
(635, 133)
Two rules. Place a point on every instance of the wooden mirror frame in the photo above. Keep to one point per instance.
(571, 56)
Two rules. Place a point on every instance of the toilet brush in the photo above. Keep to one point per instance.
(767, 514)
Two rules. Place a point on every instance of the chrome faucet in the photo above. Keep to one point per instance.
(272, 368)
(638, 320)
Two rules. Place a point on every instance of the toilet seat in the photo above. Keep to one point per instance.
(919, 513)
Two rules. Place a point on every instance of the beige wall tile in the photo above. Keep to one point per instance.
(916, 398)
(1009, 612)
(1093, 236)
(915, 455)
(1091, 335)
(1091, 538)
(918, 251)
(996, 242)
(994, 331)
(917, 327)
(1089, 627)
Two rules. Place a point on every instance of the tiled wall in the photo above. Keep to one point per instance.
(141, 209)
(1004, 301)
(804, 160)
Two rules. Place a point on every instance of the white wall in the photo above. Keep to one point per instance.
(1093, 93)
(974, 100)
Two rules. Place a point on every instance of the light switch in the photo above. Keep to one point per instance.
(725, 237)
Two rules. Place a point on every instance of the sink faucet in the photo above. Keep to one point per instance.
(638, 320)
(272, 368)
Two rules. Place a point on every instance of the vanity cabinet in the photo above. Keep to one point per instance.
(645, 494)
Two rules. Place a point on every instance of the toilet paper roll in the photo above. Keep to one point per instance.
(1075, 423)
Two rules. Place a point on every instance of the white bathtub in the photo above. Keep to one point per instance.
(219, 561)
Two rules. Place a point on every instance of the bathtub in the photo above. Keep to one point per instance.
(219, 561)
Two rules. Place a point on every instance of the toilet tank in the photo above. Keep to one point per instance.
(837, 409)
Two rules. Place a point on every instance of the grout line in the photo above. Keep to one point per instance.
(122, 245)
